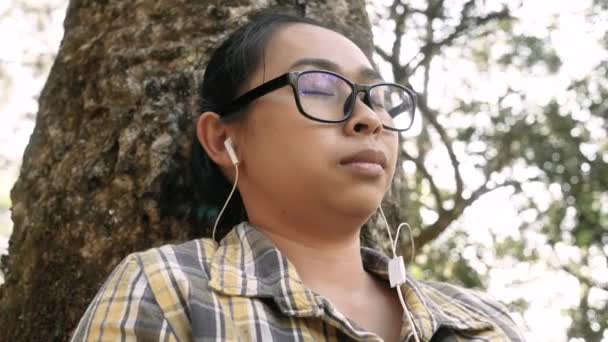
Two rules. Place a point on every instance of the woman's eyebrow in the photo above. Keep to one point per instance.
(364, 72)
(317, 62)
(370, 74)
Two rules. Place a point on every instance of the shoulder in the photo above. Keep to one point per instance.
(449, 297)
(146, 295)
(471, 298)
(188, 260)
(174, 272)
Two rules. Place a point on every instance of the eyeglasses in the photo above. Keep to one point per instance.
(326, 96)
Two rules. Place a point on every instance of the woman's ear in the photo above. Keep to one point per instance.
(211, 134)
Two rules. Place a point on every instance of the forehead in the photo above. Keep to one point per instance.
(295, 42)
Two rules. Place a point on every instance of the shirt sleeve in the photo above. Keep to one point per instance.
(124, 309)
(471, 305)
(499, 314)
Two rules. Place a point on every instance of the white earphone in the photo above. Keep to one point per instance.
(235, 161)
(231, 153)
(396, 269)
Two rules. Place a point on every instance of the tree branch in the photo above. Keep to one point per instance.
(484, 189)
(431, 48)
(434, 189)
(434, 230)
(469, 22)
(399, 71)
(583, 279)
(431, 115)
(385, 55)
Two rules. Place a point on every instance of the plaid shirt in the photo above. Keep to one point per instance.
(245, 289)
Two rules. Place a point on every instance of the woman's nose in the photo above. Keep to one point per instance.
(363, 119)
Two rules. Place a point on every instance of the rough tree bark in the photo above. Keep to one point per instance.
(106, 169)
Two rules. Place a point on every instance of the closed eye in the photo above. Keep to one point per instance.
(316, 92)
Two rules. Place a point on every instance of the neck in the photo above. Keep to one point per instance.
(327, 264)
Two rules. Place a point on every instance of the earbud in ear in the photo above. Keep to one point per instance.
(231, 153)
(235, 161)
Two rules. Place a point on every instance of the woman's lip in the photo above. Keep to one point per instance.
(367, 156)
(364, 168)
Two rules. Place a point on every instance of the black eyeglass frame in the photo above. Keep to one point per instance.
(291, 78)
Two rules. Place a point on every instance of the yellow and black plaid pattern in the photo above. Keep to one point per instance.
(244, 289)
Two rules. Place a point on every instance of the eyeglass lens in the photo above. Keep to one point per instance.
(328, 97)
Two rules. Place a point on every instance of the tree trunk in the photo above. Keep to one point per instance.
(106, 170)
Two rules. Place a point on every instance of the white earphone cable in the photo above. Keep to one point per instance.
(394, 251)
(236, 179)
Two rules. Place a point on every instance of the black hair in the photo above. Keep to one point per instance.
(230, 66)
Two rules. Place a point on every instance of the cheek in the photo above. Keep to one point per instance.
(276, 124)
(395, 143)
(392, 147)
(269, 138)
(286, 152)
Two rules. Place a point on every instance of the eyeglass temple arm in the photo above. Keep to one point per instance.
(411, 101)
(397, 109)
(253, 94)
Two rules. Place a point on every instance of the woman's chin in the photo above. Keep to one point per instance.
(359, 206)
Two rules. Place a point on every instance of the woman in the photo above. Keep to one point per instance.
(287, 117)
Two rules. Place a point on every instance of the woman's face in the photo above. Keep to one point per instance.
(306, 170)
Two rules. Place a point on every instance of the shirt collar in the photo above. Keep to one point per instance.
(247, 264)
(430, 308)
